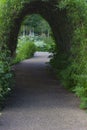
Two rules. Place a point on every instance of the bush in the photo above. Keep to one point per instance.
(6, 74)
(46, 44)
(71, 67)
(25, 49)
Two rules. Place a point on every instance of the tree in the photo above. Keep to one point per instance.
(35, 23)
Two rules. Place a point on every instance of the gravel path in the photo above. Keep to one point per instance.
(39, 102)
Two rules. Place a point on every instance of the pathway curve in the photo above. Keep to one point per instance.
(39, 102)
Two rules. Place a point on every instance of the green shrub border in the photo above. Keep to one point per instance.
(71, 67)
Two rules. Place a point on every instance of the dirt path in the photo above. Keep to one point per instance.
(39, 102)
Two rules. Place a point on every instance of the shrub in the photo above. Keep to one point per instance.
(25, 49)
(6, 74)
(71, 67)
(46, 44)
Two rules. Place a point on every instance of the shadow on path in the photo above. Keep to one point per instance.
(40, 102)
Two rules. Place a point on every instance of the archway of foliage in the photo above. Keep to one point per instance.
(35, 35)
(68, 20)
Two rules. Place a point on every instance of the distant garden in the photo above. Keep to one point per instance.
(35, 35)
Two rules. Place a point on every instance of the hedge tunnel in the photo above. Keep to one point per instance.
(68, 22)
(56, 18)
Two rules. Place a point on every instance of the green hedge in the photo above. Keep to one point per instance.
(71, 66)
(6, 74)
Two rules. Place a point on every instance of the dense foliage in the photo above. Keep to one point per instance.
(6, 74)
(44, 44)
(36, 24)
(71, 67)
(25, 49)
